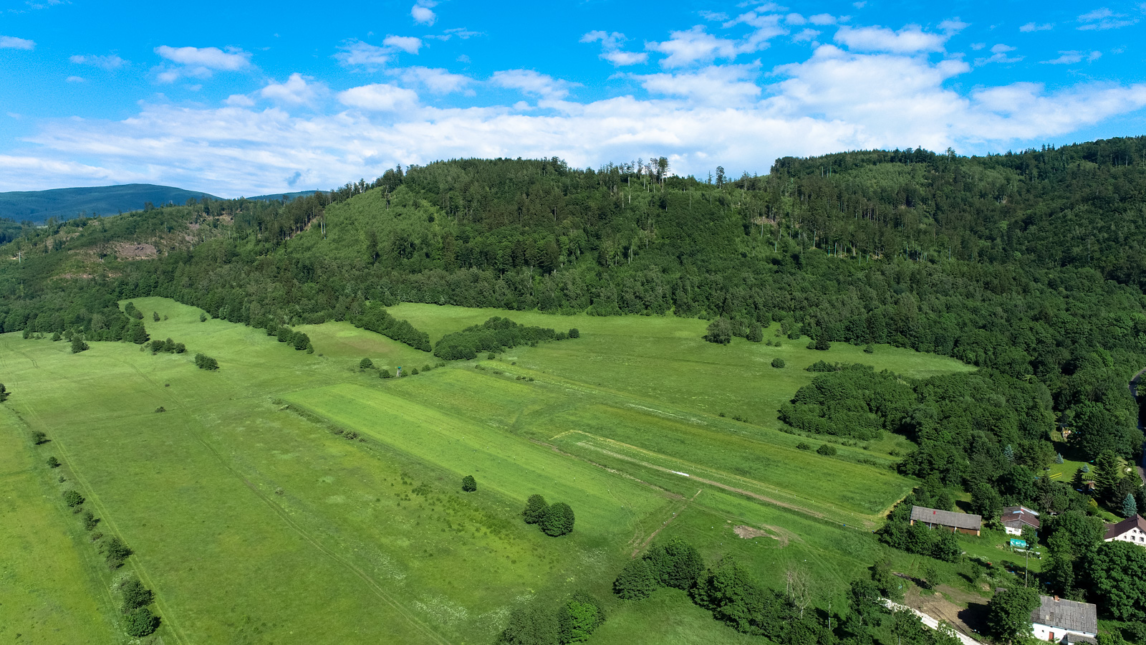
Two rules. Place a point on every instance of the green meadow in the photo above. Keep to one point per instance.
(293, 498)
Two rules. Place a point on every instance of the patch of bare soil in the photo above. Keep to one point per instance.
(970, 620)
(129, 251)
(748, 532)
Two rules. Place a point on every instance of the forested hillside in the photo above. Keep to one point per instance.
(1030, 264)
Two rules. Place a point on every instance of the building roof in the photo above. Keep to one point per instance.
(1066, 615)
(1019, 515)
(1114, 530)
(1071, 639)
(946, 518)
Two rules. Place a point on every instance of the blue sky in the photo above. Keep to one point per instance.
(251, 97)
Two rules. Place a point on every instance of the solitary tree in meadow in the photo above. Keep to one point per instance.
(558, 520)
(366, 364)
(469, 484)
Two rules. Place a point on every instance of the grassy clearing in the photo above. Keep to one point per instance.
(47, 591)
(606, 506)
(242, 513)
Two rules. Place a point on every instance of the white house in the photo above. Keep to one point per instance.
(1129, 530)
(1014, 518)
(1064, 621)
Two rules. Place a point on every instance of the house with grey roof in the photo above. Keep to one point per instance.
(1014, 518)
(933, 517)
(1131, 530)
(1064, 621)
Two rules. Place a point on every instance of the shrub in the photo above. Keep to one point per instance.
(169, 346)
(574, 333)
(180, 348)
(301, 341)
(469, 484)
(558, 520)
(755, 333)
(491, 356)
(140, 622)
(530, 625)
(155, 316)
(635, 581)
(202, 316)
(90, 521)
(366, 364)
(535, 509)
(53, 462)
(38, 437)
(413, 371)
(868, 349)
(719, 331)
(380, 321)
(4, 397)
(73, 498)
(426, 368)
(284, 334)
(578, 618)
(131, 311)
(778, 363)
(827, 450)
(385, 374)
(822, 366)
(822, 343)
(803, 446)
(204, 362)
(675, 564)
(116, 552)
(135, 595)
(161, 409)
(78, 344)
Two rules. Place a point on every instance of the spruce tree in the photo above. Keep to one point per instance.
(1129, 506)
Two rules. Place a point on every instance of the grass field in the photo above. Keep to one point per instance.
(255, 518)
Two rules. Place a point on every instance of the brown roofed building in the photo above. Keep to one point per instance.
(1057, 620)
(1014, 518)
(962, 522)
(1131, 530)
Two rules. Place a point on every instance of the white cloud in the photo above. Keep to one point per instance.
(295, 91)
(909, 40)
(372, 57)
(199, 62)
(422, 14)
(611, 43)
(806, 35)
(110, 62)
(12, 42)
(693, 46)
(239, 100)
(211, 58)
(408, 44)
(714, 16)
(795, 19)
(75, 79)
(1032, 26)
(725, 85)
(438, 81)
(834, 100)
(621, 59)
(999, 55)
(360, 54)
(531, 82)
(1072, 57)
(822, 19)
(1100, 19)
(954, 26)
(379, 97)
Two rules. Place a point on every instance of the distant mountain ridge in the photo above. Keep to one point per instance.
(66, 203)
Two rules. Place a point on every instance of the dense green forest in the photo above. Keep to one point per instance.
(1029, 265)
